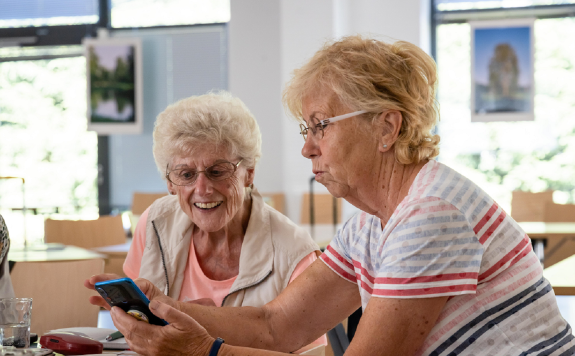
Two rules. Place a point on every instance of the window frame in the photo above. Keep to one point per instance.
(461, 16)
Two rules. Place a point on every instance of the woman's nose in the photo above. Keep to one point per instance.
(310, 148)
(203, 184)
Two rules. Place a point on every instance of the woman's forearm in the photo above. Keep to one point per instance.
(246, 326)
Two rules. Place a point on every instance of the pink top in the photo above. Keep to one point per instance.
(195, 285)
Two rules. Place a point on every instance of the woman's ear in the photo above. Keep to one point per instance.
(249, 177)
(171, 188)
(389, 123)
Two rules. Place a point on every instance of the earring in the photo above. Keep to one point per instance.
(384, 145)
(172, 193)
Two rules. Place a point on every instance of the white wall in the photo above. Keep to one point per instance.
(268, 39)
(254, 60)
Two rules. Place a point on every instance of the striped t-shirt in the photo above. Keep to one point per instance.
(449, 238)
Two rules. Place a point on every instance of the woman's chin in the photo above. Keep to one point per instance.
(209, 226)
(336, 189)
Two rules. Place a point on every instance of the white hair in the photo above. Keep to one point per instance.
(214, 118)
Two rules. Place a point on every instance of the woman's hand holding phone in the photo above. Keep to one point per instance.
(150, 290)
(183, 335)
(90, 282)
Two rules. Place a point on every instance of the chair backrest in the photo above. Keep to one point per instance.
(322, 208)
(60, 299)
(527, 206)
(275, 200)
(141, 201)
(104, 231)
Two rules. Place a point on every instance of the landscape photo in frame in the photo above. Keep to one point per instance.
(502, 77)
(114, 83)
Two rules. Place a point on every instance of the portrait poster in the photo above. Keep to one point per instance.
(114, 82)
(502, 78)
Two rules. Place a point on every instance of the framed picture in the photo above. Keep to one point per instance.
(114, 80)
(502, 80)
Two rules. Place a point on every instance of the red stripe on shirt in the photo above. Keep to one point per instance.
(485, 218)
(492, 228)
(516, 254)
(339, 257)
(427, 279)
(337, 268)
(431, 209)
(419, 279)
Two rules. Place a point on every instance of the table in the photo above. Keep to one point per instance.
(115, 257)
(552, 242)
(36, 253)
(54, 275)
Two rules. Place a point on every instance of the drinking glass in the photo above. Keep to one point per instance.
(15, 316)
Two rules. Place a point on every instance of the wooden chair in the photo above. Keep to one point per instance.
(141, 201)
(322, 210)
(527, 206)
(275, 200)
(60, 299)
(91, 234)
(539, 207)
(104, 231)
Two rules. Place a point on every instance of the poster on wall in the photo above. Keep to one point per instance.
(114, 82)
(502, 80)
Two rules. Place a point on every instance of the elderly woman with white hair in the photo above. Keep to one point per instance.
(213, 240)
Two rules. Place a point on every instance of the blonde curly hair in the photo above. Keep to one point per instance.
(367, 74)
(216, 118)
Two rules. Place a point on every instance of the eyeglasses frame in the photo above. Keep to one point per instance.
(304, 130)
(198, 173)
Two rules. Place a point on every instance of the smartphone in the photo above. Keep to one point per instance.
(126, 295)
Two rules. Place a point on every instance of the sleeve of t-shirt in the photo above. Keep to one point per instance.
(336, 255)
(134, 258)
(302, 265)
(432, 251)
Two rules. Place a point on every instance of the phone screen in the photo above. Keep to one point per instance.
(126, 295)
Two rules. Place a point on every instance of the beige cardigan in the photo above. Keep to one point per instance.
(273, 246)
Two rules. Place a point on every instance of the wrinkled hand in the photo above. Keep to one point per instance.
(150, 290)
(183, 335)
(90, 282)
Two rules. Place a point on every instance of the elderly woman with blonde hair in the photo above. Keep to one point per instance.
(213, 241)
(437, 266)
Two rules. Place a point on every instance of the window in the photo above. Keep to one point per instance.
(43, 138)
(24, 13)
(146, 13)
(506, 156)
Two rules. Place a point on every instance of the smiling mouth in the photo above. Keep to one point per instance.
(207, 206)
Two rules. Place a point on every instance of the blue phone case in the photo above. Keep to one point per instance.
(126, 295)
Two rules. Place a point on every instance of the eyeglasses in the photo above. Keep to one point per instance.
(317, 125)
(188, 176)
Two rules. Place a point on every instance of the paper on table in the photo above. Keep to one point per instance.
(100, 335)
